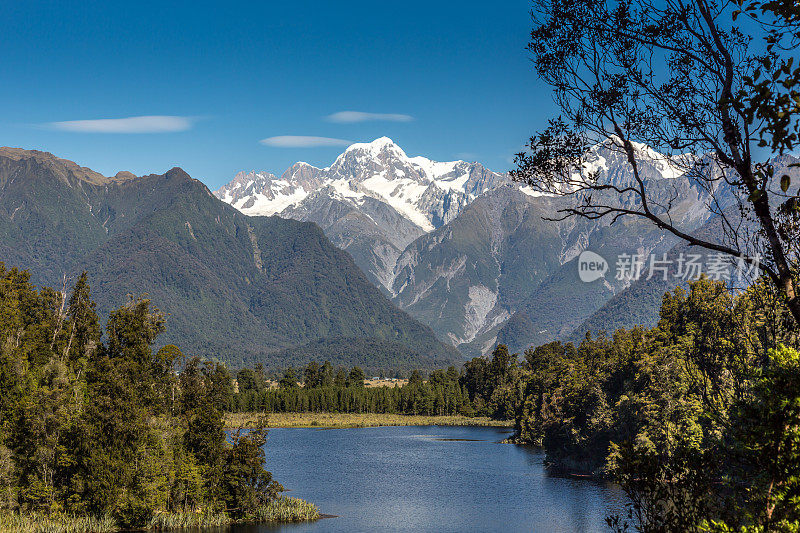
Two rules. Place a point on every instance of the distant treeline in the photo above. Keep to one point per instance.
(485, 387)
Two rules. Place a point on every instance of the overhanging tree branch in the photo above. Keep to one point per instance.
(672, 75)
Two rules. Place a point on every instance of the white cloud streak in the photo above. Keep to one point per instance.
(349, 117)
(141, 124)
(303, 141)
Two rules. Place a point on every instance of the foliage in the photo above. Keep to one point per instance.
(696, 418)
(486, 387)
(493, 385)
(55, 523)
(245, 485)
(356, 377)
(716, 92)
(356, 420)
(107, 429)
(766, 427)
(440, 395)
(285, 509)
(371, 354)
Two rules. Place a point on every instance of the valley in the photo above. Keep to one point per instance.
(235, 288)
(418, 264)
(469, 252)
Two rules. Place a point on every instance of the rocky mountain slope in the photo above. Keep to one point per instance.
(637, 304)
(372, 201)
(462, 248)
(238, 288)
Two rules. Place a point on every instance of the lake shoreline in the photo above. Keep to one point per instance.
(354, 420)
(282, 510)
(432, 479)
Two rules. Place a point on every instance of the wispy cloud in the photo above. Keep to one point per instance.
(141, 124)
(303, 141)
(360, 116)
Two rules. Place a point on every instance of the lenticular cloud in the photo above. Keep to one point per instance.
(360, 116)
(303, 141)
(141, 124)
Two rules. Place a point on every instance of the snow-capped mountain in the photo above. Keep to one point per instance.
(262, 193)
(427, 193)
(609, 160)
(372, 201)
(461, 247)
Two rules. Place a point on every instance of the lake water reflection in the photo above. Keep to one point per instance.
(429, 478)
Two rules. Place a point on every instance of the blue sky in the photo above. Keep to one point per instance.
(448, 80)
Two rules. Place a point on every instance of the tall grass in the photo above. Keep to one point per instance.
(282, 509)
(162, 521)
(345, 420)
(57, 523)
(285, 509)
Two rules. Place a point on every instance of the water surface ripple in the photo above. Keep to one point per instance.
(429, 478)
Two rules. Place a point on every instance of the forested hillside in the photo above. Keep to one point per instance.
(236, 288)
(636, 304)
(479, 259)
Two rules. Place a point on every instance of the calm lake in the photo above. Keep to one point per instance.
(429, 478)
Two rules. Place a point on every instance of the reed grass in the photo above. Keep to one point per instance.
(55, 523)
(282, 509)
(194, 520)
(285, 509)
(355, 420)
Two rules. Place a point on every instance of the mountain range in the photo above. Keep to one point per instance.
(373, 201)
(381, 259)
(237, 288)
(464, 249)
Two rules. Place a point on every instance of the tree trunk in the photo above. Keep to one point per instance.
(793, 302)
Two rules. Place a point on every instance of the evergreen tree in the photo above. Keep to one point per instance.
(356, 377)
(415, 378)
(326, 374)
(311, 375)
(341, 378)
(88, 427)
(85, 331)
(244, 482)
(288, 381)
(249, 381)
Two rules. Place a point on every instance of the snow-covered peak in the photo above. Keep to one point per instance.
(610, 160)
(436, 170)
(427, 193)
(385, 147)
(376, 147)
(373, 157)
(607, 163)
(302, 174)
(245, 184)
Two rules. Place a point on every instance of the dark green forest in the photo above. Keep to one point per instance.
(695, 418)
(484, 387)
(102, 425)
(698, 418)
(238, 289)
